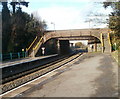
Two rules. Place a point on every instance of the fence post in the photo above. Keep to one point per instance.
(25, 54)
(11, 56)
(18, 55)
(0, 57)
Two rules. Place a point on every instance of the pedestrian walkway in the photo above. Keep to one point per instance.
(95, 75)
(5, 64)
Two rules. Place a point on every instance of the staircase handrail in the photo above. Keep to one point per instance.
(31, 44)
(38, 44)
(109, 39)
(101, 36)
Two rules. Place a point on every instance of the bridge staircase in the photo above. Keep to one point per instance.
(34, 47)
(107, 43)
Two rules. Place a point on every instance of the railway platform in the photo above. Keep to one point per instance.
(24, 60)
(90, 75)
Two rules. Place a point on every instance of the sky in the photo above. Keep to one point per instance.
(67, 14)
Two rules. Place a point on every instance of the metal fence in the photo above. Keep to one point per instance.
(11, 56)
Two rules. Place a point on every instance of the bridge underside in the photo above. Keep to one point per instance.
(63, 45)
(94, 44)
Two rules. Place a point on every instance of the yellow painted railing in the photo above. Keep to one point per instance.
(31, 44)
(101, 36)
(38, 44)
(109, 39)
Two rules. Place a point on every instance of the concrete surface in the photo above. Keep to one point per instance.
(92, 75)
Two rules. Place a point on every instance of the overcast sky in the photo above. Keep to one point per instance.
(66, 14)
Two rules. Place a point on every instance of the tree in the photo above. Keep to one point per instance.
(19, 2)
(39, 24)
(20, 35)
(19, 29)
(6, 27)
(114, 21)
(96, 17)
(79, 44)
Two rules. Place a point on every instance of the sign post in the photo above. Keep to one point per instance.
(43, 51)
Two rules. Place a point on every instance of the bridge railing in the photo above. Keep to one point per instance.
(72, 34)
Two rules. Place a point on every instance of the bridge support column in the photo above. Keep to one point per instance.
(95, 47)
(64, 47)
(58, 47)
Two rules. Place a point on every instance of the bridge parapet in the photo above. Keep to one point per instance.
(76, 32)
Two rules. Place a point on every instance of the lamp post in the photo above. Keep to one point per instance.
(89, 20)
(54, 25)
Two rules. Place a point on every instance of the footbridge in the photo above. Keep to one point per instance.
(100, 35)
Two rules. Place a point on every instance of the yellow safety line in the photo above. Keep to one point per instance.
(38, 43)
(31, 44)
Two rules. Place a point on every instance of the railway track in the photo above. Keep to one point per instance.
(22, 78)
